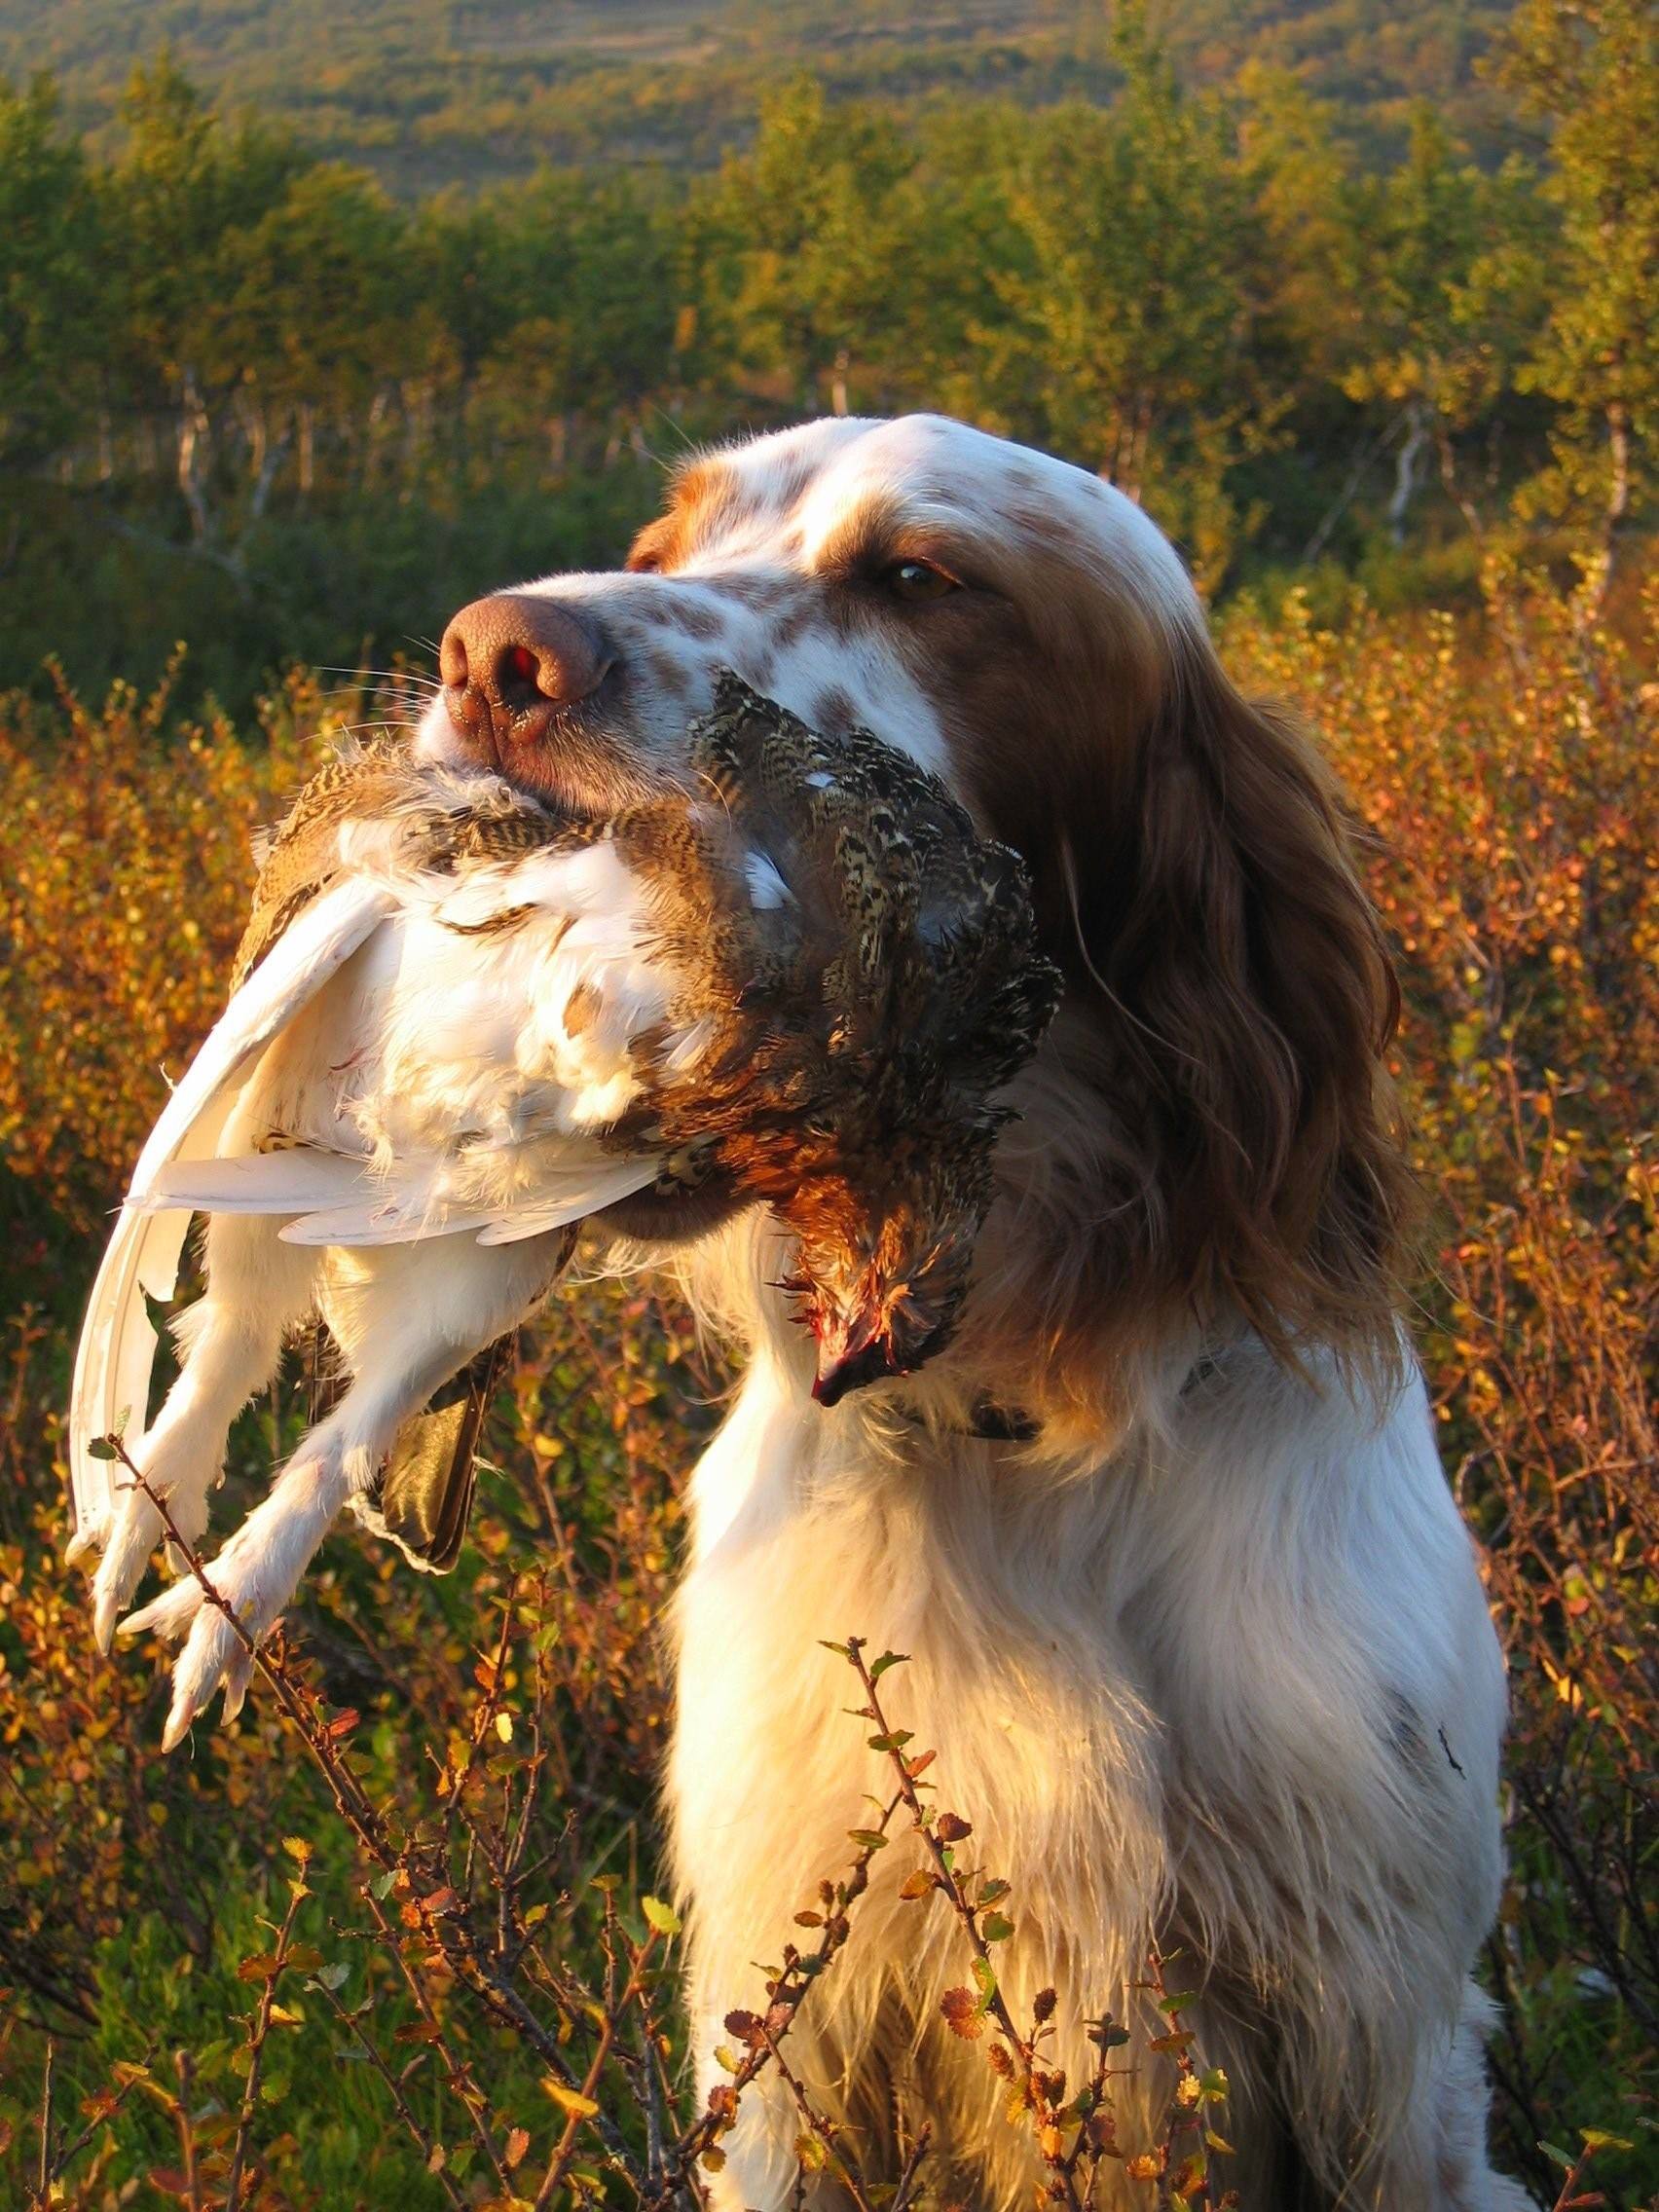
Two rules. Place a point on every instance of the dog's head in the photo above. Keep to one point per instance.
(1217, 1133)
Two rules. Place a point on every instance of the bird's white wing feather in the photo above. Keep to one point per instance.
(307, 954)
(117, 1352)
(338, 1200)
(621, 1181)
(116, 1355)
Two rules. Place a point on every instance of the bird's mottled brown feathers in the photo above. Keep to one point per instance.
(901, 981)
(442, 824)
(870, 1019)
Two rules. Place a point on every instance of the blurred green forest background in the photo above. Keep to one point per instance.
(1340, 292)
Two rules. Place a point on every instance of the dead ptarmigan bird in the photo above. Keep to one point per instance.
(461, 1026)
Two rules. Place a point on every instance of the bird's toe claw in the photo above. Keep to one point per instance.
(167, 1616)
(213, 1654)
(87, 1538)
(216, 1649)
(239, 1672)
(131, 1539)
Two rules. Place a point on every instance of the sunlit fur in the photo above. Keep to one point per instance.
(1210, 1664)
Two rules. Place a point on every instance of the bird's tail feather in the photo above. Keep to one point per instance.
(115, 1359)
(116, 1355)
(406, 1209)
(423, 1498)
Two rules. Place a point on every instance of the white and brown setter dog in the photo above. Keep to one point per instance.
(1206, 1659)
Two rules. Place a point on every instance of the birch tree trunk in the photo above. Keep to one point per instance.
(1406, 468)
(1618, 497)
(308, 448)
(193, 455)
(270, 460)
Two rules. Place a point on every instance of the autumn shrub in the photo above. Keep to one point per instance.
(1511, 789)
(395, 1936)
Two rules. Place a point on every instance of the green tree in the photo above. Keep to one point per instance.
(1127, 336)
(183, 182)
(466, 277)
(1416, 235)
(1300, 178)
(807, 247)
(958, 208)
(55, 306)
(316, 313)
(592, 260)
(182, 190)
(1591, 68)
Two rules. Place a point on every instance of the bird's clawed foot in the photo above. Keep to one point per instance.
(133, 1533)
(213, 1652)
(252, 1579)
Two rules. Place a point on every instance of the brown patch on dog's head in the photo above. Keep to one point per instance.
(1230, 991)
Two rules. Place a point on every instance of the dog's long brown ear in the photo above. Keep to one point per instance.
(1218, 930)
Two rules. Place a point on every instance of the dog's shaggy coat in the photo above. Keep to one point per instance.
(1208, 1663)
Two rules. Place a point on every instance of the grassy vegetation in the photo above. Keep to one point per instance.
(492, 1738)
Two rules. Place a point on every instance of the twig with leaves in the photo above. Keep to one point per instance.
(266, 1970)
(1573, 2196)
(1074, 2129)
(57, 2156)
(760, 2034)
(981, 1921)
(348, 2018)
(413, 1870)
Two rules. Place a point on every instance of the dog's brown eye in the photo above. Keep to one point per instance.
(917, 580)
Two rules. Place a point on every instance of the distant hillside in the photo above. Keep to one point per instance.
(429, 93)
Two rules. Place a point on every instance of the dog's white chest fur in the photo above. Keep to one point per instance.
(1180, 1699)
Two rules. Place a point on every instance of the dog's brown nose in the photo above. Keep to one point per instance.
(509, 662)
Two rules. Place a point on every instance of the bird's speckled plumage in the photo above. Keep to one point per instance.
(885, 1005)
(458, 1014)
(446, 821)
